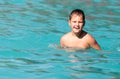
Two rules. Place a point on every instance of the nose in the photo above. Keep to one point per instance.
(77, 23)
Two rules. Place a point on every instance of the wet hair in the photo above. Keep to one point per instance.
(77, 12)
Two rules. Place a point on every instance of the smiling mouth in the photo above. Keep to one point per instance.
(77, 27)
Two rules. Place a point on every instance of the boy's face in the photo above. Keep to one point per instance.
(76, 23)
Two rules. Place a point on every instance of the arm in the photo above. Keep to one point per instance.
(93, 43)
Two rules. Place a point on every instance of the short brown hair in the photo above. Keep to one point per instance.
(77, 12)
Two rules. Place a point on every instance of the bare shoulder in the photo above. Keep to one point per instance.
(64, 38)
(90, 37)
(92, 42)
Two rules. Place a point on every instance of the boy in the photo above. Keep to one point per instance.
(78, 38)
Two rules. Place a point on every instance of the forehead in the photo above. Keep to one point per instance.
(75, 16)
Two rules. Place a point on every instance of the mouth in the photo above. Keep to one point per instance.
(76, 28)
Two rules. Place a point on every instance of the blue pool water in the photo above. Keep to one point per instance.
(30, 30)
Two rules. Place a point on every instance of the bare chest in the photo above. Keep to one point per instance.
(77, 43)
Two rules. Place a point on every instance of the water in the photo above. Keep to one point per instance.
(30, 30)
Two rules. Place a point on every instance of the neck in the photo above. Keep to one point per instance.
(77, 34)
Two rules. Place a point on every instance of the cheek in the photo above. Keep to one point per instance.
(81, 24)
(71, 24)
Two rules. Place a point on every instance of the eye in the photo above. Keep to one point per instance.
(74, 21)
(80, 21)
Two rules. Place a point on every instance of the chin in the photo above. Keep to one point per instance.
(76, 31)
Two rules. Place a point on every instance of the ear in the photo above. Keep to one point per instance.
(69, 22)
(84, 23)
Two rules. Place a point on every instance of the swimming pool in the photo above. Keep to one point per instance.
(31, 29)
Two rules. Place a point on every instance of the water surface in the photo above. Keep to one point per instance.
(30, 31)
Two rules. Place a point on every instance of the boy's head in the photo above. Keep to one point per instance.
(76, 20)
(78, 12)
